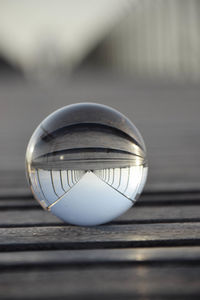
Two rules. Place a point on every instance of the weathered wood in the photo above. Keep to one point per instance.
(98, 257)
(165, 215)
(108, 236)
(143, 282)
(36, 216)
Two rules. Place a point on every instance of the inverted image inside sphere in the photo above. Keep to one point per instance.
(83, 150)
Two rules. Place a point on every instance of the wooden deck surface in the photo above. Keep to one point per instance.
(152, 251)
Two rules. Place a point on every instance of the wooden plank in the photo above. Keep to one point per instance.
(63, 258)
(161, 214)
(36, 216)
(107, 236)
(15, 191)
(169, 197)
(143, 282)
(28, 217)
(19, 203)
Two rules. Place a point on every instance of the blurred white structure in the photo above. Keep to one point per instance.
(159, 39)
(40, 35)
(145, 38)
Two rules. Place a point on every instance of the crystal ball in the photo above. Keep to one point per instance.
(86, 163)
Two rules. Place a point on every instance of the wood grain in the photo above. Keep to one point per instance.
(107, 236)
(152, 251)
(105, 282)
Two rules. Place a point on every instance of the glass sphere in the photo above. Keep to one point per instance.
(86, 163)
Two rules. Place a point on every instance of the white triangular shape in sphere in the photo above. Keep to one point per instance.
(90, 202)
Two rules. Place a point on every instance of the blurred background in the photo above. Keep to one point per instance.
(141, 57)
